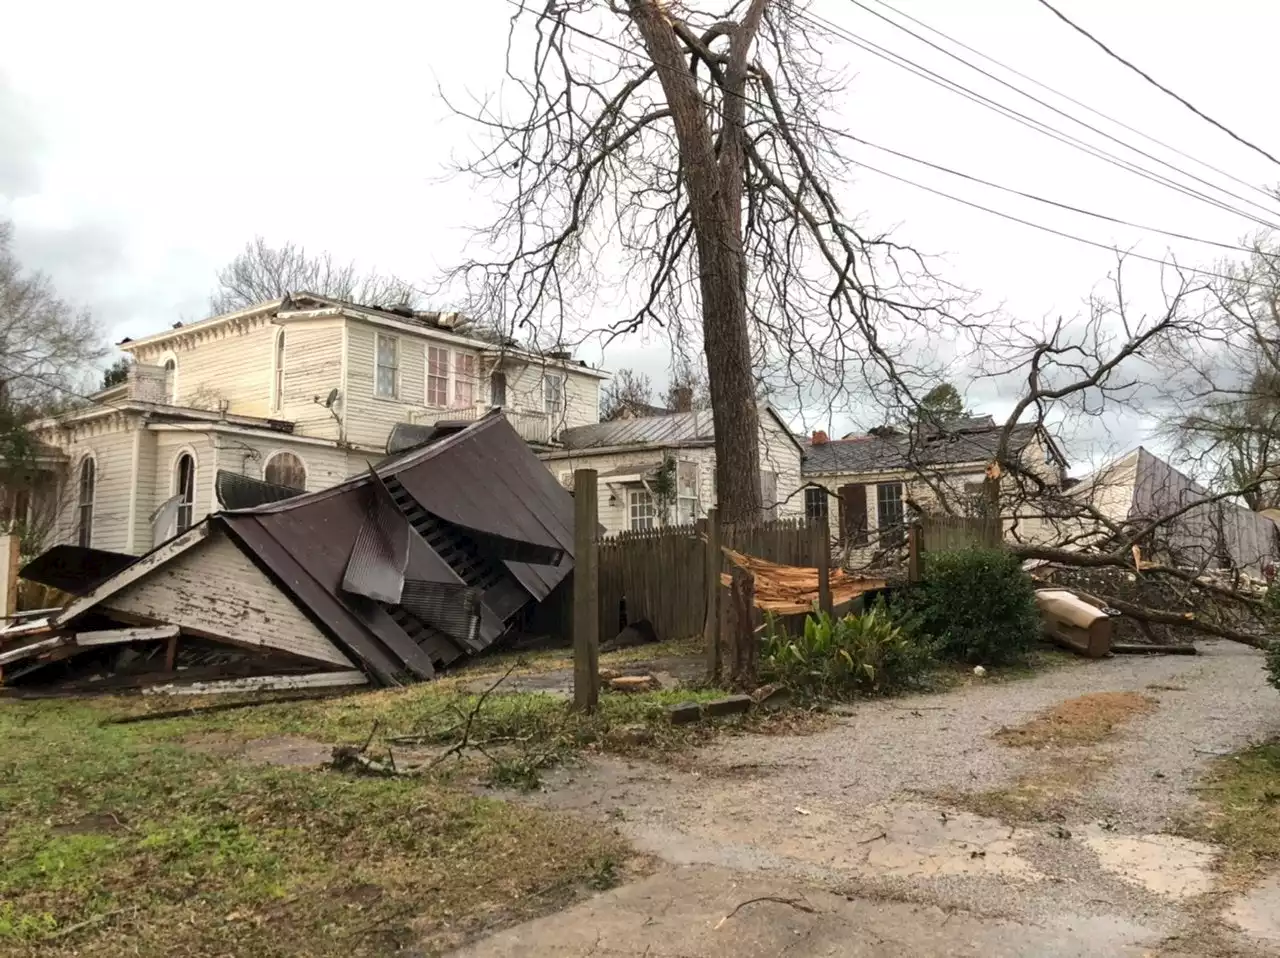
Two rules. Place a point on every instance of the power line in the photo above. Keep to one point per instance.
(1041, 199)
(1070, 99)
(1049, 229)
(1049, 106)
(986, 209)
(1018, 117)
(1154, 82)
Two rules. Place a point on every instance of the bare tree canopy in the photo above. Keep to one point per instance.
(683, 155)
(1227, 416)
(48, 349)
(263, 272)
(627, 393)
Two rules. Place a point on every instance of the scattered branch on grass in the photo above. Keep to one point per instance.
(87, 923)
(799, 904)
(457, 747)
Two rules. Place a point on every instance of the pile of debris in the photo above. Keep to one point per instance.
(383, 579)
(791, 590)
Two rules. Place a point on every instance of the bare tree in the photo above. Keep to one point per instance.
(628, 392)
(1227, 414)
(683, 154)
(48, 350)
(264, 272)
(1136, 535)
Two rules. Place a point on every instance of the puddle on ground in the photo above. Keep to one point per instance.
(1163, 864)
(1257, 914)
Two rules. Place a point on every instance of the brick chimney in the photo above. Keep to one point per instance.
(819, 438)
(682, 399)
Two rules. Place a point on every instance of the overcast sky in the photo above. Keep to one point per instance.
(141, 144)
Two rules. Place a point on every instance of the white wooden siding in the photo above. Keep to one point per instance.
(312, 367)
(146, 492)
(525, 391)
(169, 446)
(780, 455)
(232, 363)
(110, 442)
(214, 591)
(369, 418)
(248, 455)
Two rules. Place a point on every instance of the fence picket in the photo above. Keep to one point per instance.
(662, 572)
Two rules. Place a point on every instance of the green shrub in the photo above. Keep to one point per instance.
(857, 654)
(978, 604)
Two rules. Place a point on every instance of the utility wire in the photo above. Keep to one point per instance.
(1018, 117)
(1063, 113)
(1041, 199)
(986, 209)
(1154, 82)
(1070, 99)
(1056, 232)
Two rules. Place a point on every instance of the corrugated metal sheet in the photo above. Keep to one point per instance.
(681, 427)
(424, 560)
(235, 491)
(380, 553)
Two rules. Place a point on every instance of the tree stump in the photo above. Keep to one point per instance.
(744, 644)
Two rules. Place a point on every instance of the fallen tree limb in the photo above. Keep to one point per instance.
(1129, 648)
(1186, 620)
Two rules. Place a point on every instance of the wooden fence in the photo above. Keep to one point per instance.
(661, 573)
(939, 533)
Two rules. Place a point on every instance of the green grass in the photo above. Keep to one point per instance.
(118, 833)
(1243, 797)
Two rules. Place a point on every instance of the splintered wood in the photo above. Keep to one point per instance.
(789, 589)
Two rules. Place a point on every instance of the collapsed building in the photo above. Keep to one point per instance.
(460, 537)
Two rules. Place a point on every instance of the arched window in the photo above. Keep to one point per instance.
(185, 487)
(277, 381)
(170, 379)
(84, 517)
(286, 469)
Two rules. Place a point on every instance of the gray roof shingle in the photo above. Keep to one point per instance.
(903, 451)
(680, 427)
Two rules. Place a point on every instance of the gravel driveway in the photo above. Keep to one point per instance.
(896, 807)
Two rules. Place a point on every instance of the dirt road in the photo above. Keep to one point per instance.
(908, 830)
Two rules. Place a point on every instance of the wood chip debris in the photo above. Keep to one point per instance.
(790, 589)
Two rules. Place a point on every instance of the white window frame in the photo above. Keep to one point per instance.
(84, 530)
(642, 511)
(469, 378)
(395, 385)
(553, 400)
(306, 470)
(277, 371)
(428, 377)
(170, 382)
(687, 507)
(189, 505)
(816, 494)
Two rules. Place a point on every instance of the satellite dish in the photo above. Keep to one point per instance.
(331, 398)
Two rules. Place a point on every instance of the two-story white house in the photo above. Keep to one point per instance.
(302, 391)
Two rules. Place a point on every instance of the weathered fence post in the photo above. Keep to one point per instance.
(711, 625)
(586, 592)
(10, 546)
(822, 535)
(744, 644)
(913, 552)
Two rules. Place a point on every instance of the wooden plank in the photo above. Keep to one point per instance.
(823, 545)
(117, 636)
(711, 624)
(26, 651)
(131, 574)
(9, 561)
(260, 683)
(586, 592)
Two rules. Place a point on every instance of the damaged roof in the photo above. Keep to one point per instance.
(883, 453)
(430, 556)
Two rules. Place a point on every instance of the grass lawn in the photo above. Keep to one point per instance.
(157, 838)
(1243, 798)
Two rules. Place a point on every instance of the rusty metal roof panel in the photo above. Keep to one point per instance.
(672, 429)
